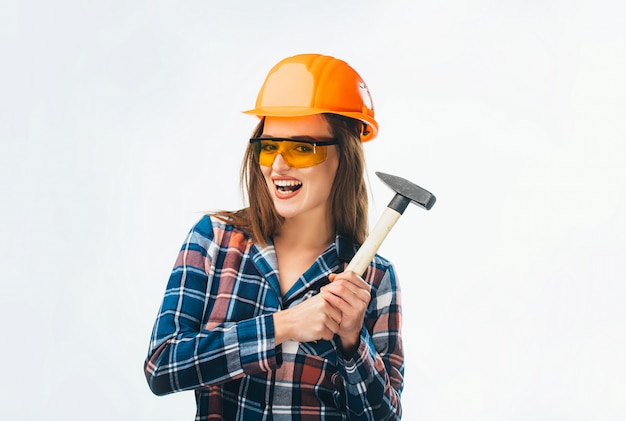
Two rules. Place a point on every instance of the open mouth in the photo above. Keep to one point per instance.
(287, 186)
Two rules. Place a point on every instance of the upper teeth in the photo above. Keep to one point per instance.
(285, 183)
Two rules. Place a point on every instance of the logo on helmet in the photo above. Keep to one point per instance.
(365, 95)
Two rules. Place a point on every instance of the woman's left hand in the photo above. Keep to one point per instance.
(350, 294)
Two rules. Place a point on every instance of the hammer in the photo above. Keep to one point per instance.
(406, 192)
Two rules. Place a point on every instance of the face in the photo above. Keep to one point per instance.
(300, 192)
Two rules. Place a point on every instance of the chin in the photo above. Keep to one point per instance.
(286, 213)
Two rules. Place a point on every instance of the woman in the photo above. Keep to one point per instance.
(258, 317)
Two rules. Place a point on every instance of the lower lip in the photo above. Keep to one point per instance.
(285, 195)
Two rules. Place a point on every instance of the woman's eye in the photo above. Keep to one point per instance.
(268, 147)
(304, 148)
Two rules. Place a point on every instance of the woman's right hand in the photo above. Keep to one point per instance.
(309, 321)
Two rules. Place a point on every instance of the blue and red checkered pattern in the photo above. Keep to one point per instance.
(214, 334)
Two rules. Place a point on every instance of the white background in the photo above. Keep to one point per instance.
(120, 124)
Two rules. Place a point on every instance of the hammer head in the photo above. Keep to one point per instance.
(409, 191)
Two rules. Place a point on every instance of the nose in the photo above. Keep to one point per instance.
(280, 163)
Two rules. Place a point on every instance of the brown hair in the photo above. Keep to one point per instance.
(348, 197)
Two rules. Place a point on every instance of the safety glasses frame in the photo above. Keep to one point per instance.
(317, 156)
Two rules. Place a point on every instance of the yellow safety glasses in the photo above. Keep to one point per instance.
(296, 153)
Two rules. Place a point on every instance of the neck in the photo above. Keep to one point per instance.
(316, 234)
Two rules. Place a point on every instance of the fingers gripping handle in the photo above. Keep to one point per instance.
(368, 249)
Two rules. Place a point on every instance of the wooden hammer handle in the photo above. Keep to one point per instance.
(368, 249)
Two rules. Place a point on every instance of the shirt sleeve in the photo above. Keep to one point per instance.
(183, 354)
(374, 376)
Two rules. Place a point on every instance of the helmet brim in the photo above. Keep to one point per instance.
(372, 125)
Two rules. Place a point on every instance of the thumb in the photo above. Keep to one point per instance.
(332, 277)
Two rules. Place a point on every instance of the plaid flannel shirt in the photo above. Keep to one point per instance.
(214, 334)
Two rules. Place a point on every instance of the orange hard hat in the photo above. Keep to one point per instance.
(308, 84)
